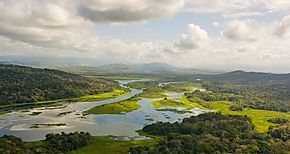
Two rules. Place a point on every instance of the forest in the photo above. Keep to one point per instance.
(263, 91)
(53, 143)
(214, 133)
(21, 84)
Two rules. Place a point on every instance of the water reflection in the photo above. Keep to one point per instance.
(71, 114)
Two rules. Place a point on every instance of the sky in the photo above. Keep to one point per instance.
(252, 35)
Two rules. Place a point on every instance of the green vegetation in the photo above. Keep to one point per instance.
(259, 117)
(151, 89)
(278, 120)
(169, 102)
(184, 86)
(263, 91)
(54, 143)
(181, 102)
(20, 84)
(103, 96)
(116, 108)
(211, 133)
(88, 98)
(173, 110)
(106, 145)
(263, 101)
(282, 132)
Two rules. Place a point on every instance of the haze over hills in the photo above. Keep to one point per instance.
(120, 68)
(116, 68)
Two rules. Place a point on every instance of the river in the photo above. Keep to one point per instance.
(70, 118)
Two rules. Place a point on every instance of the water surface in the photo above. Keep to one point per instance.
(19, 123)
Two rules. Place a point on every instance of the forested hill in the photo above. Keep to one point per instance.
(20, 84)
(266, 91)
(246, 77)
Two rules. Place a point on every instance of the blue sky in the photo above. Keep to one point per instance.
(168, 29)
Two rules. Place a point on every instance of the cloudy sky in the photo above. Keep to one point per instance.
(205, 34)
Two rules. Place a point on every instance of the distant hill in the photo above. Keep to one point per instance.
(243, 77)
(117, 69)
(20, 84)
(266, 90)
(155, 67)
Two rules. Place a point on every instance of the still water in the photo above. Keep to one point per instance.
(70, 118)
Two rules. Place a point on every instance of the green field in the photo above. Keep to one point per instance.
(181, 102)
(99, 97)
(259, 117)
(116, 108)
(152, 94)
(183, 86)
(105, 145)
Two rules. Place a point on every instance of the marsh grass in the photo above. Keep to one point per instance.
(125, 106)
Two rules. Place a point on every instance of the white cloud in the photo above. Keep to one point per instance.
(283, 28)
(116, 11)
(277, 5)
(237, 8)
(64, 28)
(245, 44)
(35, 22)
(195, 38)
(222, 6)
(247, 30)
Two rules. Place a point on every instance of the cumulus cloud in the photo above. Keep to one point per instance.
(195, 38)
(251, 30)
(67, 24)
(222, 6)
(248, 30)
(237, 8)
(116, 11)
(44, 23)
(244, 44)
(64, 28)
(283, 28)
(277, 5)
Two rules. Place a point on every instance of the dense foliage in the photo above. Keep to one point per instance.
(211, 133)
(278, 120)
(245, 96)
(264, 91)
(20, 84)
(54, 143)
(282, 132)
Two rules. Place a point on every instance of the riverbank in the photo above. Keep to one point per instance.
(107, 145)
(88, 98)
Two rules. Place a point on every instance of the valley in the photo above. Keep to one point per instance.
(115, 118)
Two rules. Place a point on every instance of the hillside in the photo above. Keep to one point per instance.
(20, 84)
(212, 133)
(242, 77)
(137, 70)
(255, 90)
